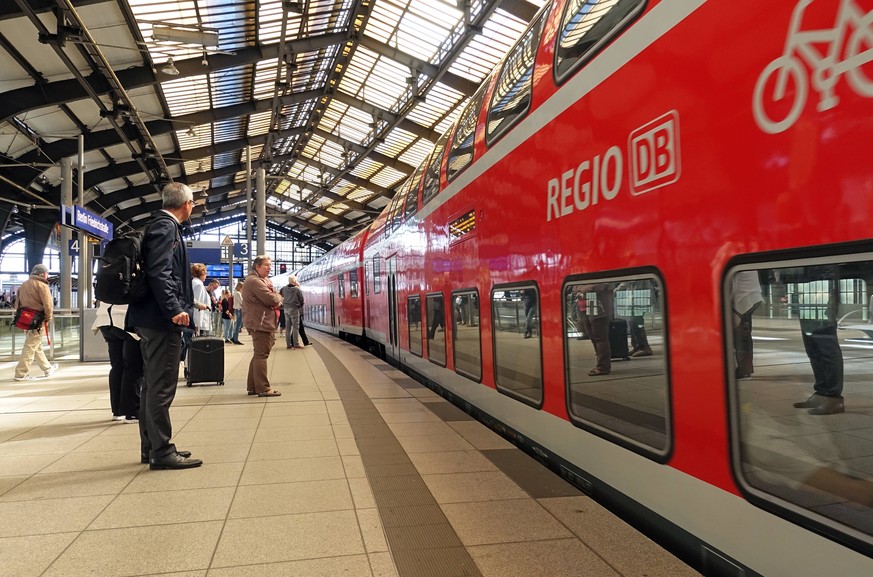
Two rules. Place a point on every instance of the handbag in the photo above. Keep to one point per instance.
(28, 319)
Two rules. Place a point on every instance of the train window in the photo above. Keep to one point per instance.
(617, 390)
(411, 206)
(397, 207)
(511, 98)
(377, 279)
(341, 284)
(366, 277)
(436, 329)
(461, 151)
(586, 26)
(466, 341)
(413, 317)
(796, 333)
(353, 283)
(518, 367)
(431, 185)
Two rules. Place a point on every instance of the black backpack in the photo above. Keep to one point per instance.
(120, 278)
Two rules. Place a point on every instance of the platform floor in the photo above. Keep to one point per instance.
(356, 470)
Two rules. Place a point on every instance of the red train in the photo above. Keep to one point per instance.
(643, 252)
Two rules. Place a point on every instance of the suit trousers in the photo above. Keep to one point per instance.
(262, 343)
(825, 356)
(160, 352)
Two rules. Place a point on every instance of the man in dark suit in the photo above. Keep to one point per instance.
(159, 319)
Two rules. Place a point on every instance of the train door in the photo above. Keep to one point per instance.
(332, 291)
(392, 308)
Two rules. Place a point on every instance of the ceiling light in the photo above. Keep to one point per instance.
(170, 68)
(204, 62)
(191, 131)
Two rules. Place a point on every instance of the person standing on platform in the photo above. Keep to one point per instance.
(34, 294)
(237, 313)
(292, 301)
(260, 303)
(125, 361)
(159, 319)
(746, 297)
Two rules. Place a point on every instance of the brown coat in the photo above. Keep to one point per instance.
(260, 302)
(34, 294)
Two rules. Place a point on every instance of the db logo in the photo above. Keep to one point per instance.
(654, 148)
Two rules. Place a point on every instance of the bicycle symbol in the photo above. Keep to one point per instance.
(827, 67)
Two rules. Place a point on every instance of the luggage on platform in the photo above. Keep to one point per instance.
(618, 339)
(206, 360)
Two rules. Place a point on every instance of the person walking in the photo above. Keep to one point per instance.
(159, 319)
(34, 294)
(292, 300)
(260, 303)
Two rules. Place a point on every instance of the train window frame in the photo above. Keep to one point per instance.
(600, 427)
(517, 85)
(341, 285)
(410, 206)
(520, 286)
(353, 283)
(434, 170)
(466, 320)
(613, 29)
(429, 321)
(799, 271)
(466, 125)
(410, 306)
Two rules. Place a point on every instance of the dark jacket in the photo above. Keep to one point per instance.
(169, 275)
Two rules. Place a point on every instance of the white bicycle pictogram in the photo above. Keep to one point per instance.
(826, 67)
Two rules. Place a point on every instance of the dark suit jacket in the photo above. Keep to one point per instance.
(169, 277)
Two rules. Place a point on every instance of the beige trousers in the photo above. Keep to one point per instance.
(32, 347)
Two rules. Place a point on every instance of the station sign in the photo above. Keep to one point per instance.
(91, 223)
(206, 252)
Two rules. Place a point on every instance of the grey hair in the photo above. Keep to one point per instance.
(259, 260)
(175, 195)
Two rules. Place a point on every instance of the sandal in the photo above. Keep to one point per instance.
(270, 393)
(595, 372)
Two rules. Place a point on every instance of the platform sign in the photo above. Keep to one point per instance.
(206, 252)
(91, 223)
(241, 250)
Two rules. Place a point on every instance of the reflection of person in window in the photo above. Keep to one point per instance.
(821, 344)
(596, 324)
(745, 300)
(529, 299)
(438, 318)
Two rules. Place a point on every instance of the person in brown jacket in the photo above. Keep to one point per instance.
(260, 302)
(34, 294)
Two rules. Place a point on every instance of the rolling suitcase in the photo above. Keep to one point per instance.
(618, 339)
(206, 360)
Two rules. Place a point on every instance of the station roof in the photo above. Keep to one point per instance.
(339, 100)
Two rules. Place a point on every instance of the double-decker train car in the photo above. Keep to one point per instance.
(642, 253)
(333, 300)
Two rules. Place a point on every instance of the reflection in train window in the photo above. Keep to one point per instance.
(341, 285)
(466, 341)
(377, 279)
(413, 317)
(431, 185)
(798, 348)
(461, 151)
(366, 277)
(587, 25)
(518, 366)
(511, 97)
(353, 283)
(616, 358)
(436, 329)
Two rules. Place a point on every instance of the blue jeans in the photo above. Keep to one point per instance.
(237, 325)
(228, 329)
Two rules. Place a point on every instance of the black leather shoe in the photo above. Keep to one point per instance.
(144, 459)
(830, 406)
(173, 461)
(813, 401)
